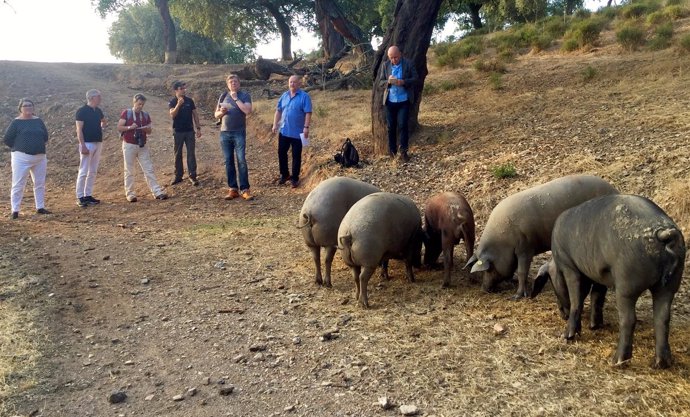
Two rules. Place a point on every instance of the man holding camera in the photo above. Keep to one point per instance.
(134, 125)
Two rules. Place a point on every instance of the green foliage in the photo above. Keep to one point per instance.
(504, 171)
(449, 54)
(583, 14)
(637, 9)
(657, 18)
(588, 73)
(675, 2)
(493, 65)
(555, 26)
(684, 43)
(608, 13)
(137, 37)
(676, 12)
(496, 80)
(662, 37)
(321, 111)
(585, 32)
(630, 36)
(542, 42)
(569, 45)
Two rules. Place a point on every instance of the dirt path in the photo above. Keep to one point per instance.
(194, 295)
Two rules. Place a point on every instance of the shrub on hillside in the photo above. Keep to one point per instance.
(449, 54)
(569, 45)
(589, 73)
(555, 27)
(684, 43)
(582, 14)
(662, 37)
(608, 13)
(493, 65)
(586, 32)
(657, 18)
(630, 36)
(676, 12)
(496, 81)
(504, 171)
(542, 42)
(506, 41)
(638, 9)
(675, 2)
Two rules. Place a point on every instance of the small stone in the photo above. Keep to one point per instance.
(106, 257)
(145, 281)
(385, 403)
(259, 347)
(149, 397)
(191, 392)
(226, 390)
(259, 357)
(344, 319)
(207, 381)
(239, 358)
(331, 335)
(129, 363)
(409, 410)
(499, 329)
(326, 384)
(541, 350)
(289, 408)
(178, 398)
(117, 397)
(296, 340)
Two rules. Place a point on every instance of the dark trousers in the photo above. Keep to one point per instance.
(284, 144)
(396, 120)
(188, 140)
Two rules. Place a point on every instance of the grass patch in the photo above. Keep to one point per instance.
(684, 43)
(569, 45)
(657, 18)
(586, 32)
(608, 13)
(662, 37)
(556, 26)
(321, 111)
(492, 65)
(638, 9)
(631, 36)
(504, 171)
(676, 12)
(449, 54)
(589, 73)
(496, 81)
(443, 85)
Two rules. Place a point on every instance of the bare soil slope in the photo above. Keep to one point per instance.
(196, 294)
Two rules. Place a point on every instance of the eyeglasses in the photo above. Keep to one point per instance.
(27, 105)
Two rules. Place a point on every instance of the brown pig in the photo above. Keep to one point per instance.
(447, 219)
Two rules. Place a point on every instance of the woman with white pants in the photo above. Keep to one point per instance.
(27, 136)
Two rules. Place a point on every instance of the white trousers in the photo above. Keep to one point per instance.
(22, 165)
(88, 165)
(132, 153)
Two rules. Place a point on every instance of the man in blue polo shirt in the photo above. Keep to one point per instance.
(292, 118)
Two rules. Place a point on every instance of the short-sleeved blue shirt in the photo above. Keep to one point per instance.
(294, 110)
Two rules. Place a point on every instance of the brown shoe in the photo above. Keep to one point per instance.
(247, 196)
(232, 194)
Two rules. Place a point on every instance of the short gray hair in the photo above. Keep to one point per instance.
(92, 93)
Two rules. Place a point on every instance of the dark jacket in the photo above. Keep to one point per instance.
(409, 77)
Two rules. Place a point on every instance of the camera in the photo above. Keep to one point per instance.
(141, 141)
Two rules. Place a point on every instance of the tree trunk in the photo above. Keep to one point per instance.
(411, 29)
(169, 36)
(333, 42)
(283, 28)
(474, 15)
(347, 29)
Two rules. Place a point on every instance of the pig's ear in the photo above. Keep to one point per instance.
(540, 281)
(481, 265)
(470, 261)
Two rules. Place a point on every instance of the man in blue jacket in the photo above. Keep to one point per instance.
(399, 77)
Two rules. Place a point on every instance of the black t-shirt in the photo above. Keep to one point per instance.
(92, 123)
(183, 122)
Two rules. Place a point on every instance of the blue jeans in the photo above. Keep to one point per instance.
(396, 120)
(233, 145)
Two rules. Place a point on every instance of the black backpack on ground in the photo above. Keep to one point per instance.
(348, 155)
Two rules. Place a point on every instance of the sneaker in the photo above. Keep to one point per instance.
(282, 180)
(92, 201)
(404, 156)
(162, 196)
(194, 181)
(294, 183)
(176, 181)
(82, 202)
(247, 196)
(232, 194)
(14, 215)
(132, 199)
(43, 211)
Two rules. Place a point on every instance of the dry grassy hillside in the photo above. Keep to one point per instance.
(194, 294)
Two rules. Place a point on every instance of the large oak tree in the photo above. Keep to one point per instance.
(411, 28)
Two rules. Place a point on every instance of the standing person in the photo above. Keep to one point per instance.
(399, 77)
(27, 136)
(134, 127)
(233, 108)
(90, 122)
(292, 118)
(184, 116)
